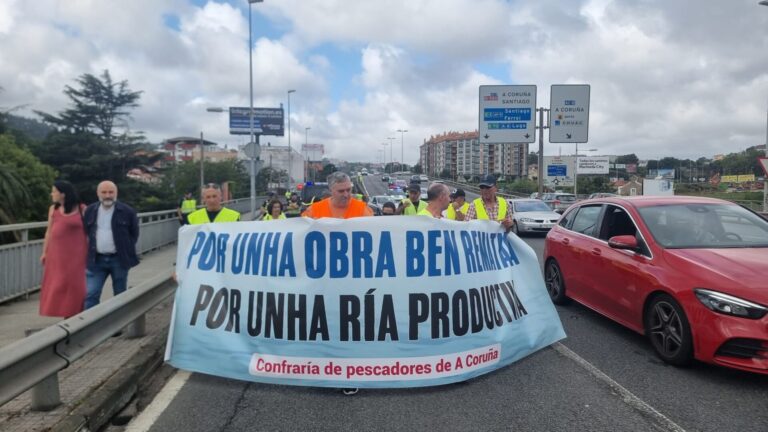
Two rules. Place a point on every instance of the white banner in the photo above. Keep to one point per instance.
(367, 302)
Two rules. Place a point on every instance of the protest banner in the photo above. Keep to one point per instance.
(367, 302)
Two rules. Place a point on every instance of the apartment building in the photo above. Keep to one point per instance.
(462, 154)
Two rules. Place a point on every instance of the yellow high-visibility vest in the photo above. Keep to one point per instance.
(450, 212)
(201, 216)
(269, 217)
(188, 206)
(480, 212)
(425, 212)
(411, 210)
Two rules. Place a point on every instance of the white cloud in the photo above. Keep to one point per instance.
(667, 78)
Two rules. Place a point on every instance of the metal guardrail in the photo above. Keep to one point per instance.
(21, 271)
(36, 359)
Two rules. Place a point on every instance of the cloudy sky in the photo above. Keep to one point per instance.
(677, 78)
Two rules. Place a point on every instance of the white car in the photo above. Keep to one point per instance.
(532, 216)
(423, 178)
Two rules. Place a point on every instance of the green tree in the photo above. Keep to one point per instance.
(25, 184)
(416, 169)
(328, 169)
(445, 174)
(185, 177)
(98, 105)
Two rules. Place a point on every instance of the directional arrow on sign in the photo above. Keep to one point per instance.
(568, 136)
(486, 136)
(527, 135)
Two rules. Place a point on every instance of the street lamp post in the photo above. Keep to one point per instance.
(402, 158)
(391, 159)
(765, 179)
(306, 152)
(202, 164)
(385, 159)
(290, 152)
(254, 139)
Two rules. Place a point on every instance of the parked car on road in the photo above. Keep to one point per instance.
(558, 201)
(687, 272)
(377, 201)
(415, 179)
(423, 178)
(385, 178)
(532, 216)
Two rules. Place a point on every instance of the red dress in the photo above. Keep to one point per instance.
(62, 293)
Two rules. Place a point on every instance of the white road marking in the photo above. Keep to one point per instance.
(144, 421)
(663, 422)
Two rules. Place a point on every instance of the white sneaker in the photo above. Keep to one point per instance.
(350, 391)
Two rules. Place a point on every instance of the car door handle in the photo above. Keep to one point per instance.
(596, 251)
(566, 241)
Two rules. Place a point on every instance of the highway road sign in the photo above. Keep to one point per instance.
(252, 150)
(266, 121)
(507, 114)
(569, 113)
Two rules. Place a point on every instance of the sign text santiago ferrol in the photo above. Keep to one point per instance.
(266, 121)
(507, 113)
(569, 113)
(356, 303)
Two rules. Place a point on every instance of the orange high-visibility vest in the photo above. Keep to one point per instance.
(322, 209)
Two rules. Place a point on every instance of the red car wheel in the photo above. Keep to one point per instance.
(667, 327)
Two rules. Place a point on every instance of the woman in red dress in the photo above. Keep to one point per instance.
(65, 252)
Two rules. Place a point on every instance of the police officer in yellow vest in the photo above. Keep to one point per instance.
(186, 206)
(412, 205)
(457, 210)
(489, 206)
(213, 211)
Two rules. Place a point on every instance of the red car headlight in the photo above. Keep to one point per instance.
(729, 305)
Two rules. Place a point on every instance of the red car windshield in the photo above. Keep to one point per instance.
(705, 226)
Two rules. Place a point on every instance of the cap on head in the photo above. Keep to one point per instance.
(488, 180)
(414, 187)
(458, 193)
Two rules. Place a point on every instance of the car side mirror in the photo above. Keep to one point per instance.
(628, 242)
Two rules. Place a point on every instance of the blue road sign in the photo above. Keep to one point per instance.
(266, 121)
(557, 170)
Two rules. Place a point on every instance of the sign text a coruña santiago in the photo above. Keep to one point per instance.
(356, 303)
(507, 113)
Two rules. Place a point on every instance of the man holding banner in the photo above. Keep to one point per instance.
(340, 204)
(439, 199)
(489, 206)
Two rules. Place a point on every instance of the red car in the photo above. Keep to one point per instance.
(689, 273)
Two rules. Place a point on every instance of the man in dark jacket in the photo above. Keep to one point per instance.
(113, 230)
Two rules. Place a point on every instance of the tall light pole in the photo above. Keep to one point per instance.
(306, 152)
(402, 158)
(391, 159)
(290, 152)
(385, 158)
(254, 142)
(765, 179)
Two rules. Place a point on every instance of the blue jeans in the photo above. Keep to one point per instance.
(96, 275)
